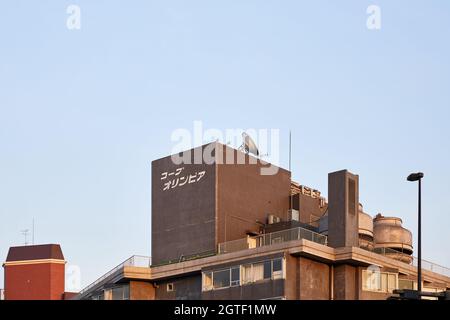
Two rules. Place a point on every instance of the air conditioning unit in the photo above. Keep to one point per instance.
(271, 219)
(293, 215)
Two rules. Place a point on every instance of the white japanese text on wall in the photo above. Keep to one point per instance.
(178, 178)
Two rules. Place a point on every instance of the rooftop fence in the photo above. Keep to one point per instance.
(271, 238)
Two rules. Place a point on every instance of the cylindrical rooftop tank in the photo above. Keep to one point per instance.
(365, 229)
(391, 239)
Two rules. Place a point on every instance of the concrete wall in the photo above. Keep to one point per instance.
(308, 207)
(244, 196)
(307, 279)
(223, 205)
(184, 288)
(314, 280)
(140, 290)
(345, 282)
(183, 217)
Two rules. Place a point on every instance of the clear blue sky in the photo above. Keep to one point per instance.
(83, 113)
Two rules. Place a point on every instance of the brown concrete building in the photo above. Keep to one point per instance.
(35, 272)
(223, 230)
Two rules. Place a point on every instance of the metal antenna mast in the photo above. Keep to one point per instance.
(25, 234)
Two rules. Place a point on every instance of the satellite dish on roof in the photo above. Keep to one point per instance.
(248, 145)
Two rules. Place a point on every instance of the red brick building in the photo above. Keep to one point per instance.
(35, 272)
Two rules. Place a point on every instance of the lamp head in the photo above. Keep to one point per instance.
(415, 176)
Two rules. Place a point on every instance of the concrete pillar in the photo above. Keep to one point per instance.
(343, 202)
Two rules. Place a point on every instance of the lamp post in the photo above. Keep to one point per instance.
(418, 177)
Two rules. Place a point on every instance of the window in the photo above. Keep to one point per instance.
(277, 267)
(392, 282)
(120, 293)
(268, 269)
(207, 281)
(407, 284)
(235, 276)
(169, 287)
(247, 271)
(379, 281)
(221, 279)
(243, 274)
(258, 272)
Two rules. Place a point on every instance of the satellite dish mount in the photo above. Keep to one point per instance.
(248, 146)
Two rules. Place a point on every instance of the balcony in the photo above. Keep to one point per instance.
(271, 238)
(133, 261)
(302, 233)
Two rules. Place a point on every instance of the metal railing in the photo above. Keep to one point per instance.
(183, 258)
(433, 267)
(271, 238)
(426, 265)
(133, 261)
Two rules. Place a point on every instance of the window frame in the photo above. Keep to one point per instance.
(382, 278)
(246, 274)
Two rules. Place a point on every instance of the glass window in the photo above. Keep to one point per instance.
(242, 274)
(392, 282)
(126, 292)
(221, 279)
(379, 281)
(406, 284)
(384, 280)
(258, 271)
(207, 281)
(371, 280)
(277, 265)
(120, 293)
(268, 269)
(247, 273)
(235, 276)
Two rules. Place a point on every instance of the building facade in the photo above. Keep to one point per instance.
(35, 272)
(223, 230)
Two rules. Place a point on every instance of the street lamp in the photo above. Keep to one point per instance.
(418, 177)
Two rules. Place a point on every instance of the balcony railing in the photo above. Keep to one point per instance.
(133, 261)
(426, 265)
(433, 267)
(302, 233)
(271, 238)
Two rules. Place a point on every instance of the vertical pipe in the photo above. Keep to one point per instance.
(290, 145)
(332, 282)
(419, 244)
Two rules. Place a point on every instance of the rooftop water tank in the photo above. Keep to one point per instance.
(391, 239)
(365, 229)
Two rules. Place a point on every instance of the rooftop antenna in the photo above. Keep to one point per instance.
(25, 234)
(32, 234)
(290, 147)
(248, 145)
